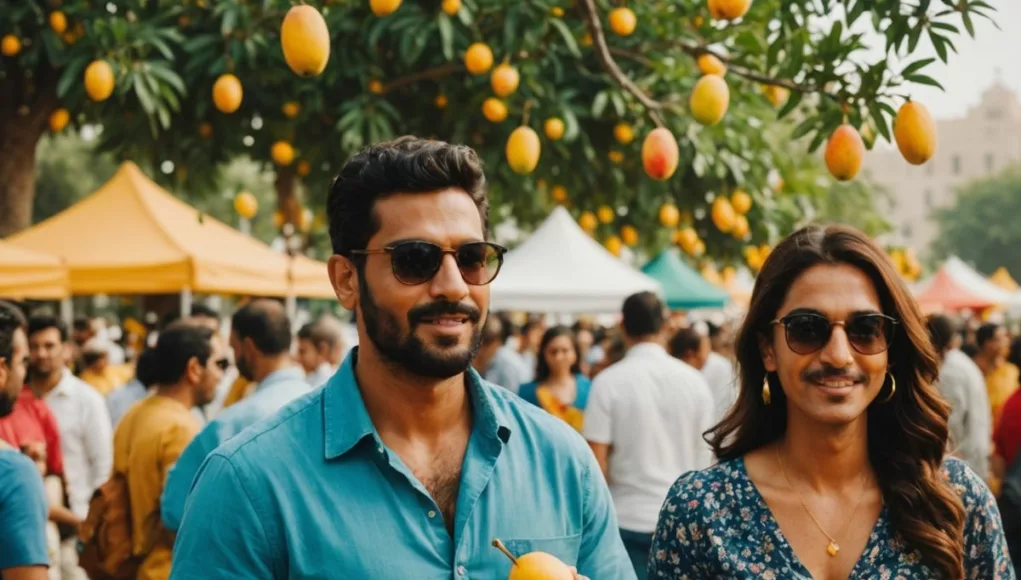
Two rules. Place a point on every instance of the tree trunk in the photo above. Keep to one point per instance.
(25, 107)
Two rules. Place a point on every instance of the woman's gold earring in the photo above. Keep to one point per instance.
(767, 397)
(893, 387)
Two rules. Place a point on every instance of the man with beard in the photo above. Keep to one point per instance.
(407, 464)
(152, 435)
(23, 554)
(86, 436)
(261, 338)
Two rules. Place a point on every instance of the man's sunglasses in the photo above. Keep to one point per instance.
(870, 333)
(416, 262)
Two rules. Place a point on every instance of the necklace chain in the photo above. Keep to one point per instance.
(833, 547)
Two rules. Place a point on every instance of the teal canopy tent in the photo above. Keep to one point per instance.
(683, 287)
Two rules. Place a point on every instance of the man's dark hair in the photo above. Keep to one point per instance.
(319, 334)
(81, 323)
(147, 368)
(642, 314)
(405, 165)
(494, 331)
(684, 341)
(941, 331)
(41, 322)
(714, 330)
(178, 344)
(985, 333)
(969, 349)
(11, 319)
(204, 311)
(266, 323)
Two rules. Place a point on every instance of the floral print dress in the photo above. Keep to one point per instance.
(715, 524)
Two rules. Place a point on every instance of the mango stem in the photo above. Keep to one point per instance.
(499, 546)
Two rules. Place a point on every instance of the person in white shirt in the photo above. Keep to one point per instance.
(319, 344)
(86, 438)
(963, 386)
(644, 421)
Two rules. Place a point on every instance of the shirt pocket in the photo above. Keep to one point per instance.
(566, 548)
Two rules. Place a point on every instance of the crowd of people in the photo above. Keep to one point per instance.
(837, 433)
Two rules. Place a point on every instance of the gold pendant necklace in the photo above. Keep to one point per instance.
(833, 548)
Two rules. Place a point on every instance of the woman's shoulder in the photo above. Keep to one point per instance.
(722, 484)
(962, 478)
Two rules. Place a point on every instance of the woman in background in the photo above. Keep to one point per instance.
(559, 386)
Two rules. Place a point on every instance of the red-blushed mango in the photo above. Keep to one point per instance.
(710, 99)
(915, 133)
(660, 154)
(523, 149)
(844, 153)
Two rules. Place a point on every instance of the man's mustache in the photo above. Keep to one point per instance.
(443, 308)
(828, 372)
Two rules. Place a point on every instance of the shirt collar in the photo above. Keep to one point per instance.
(645, 348)
(281, 375)
(346, 421)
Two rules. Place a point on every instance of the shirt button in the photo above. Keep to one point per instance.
(380, 449)
(460, 571)
(432, 513)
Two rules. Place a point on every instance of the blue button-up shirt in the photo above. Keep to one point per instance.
(272, 393)
(314, 493)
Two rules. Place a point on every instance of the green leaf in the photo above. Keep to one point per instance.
(917, 65)
(565, 33)
(804, 128)
(938, 42)
(818, 140)
(968, 24)
(230, 20)
(792, 103)
(168, 76)
(599, 104)
(876, 111)
(913, 37)
(144, 96)
(924, 80)
(446, 36)
(72, 74)
(618, 103)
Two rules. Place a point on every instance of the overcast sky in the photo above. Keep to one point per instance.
(976, 64)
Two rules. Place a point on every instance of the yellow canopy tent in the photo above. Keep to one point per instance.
(132, 237)
(1002, 278)
(28, 274)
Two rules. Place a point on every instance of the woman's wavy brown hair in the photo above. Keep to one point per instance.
(907, 435)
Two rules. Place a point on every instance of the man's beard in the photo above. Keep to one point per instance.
(243, 368)
(411, 352)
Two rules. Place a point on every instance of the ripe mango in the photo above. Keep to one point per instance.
(915, 133)
(629, 235)
(710, 99)
(383, 8)
(227, 93)
(554, 129)
(623, 21)
(710, 65)
(523, 149)
(728, 9)
(723, 214)
(494, 110)
(59, 119)
(305, 40)
(623, 134)
(587, 221)
(99, 80)
(660, 154)
(478, 58)
(741, 201)
(844, 153)
(451, 7)
(669, 215)
(504, 80)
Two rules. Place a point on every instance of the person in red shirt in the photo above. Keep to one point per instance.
(32, 423)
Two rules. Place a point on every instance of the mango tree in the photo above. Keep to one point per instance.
(744, 90)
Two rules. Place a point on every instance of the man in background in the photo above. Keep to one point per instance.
(498, 362)
(261, 339)
(23, 553)
(690, 346)
(719, 369)
(1001, 376)
(152, 435)
(644, 422)
(319, 344)
(962, 384)
(86, 440)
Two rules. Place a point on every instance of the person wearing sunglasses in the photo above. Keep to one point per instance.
(260, 336)
(833, 462)
(406, 464)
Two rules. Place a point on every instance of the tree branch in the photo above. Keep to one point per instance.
(639, 58)
(428, 74)
(603, 52)
(697, 51)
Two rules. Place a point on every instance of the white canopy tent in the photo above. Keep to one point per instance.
(560, 269)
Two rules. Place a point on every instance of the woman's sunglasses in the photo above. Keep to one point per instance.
(807, 333)
(416, 262)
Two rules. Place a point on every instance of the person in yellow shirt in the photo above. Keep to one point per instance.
(189, 361)
(98, 372)
(1001, 376)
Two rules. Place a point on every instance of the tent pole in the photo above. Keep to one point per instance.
(185, 302)
(67, 311)
(292, 306)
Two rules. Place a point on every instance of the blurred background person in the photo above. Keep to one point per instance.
(1001, 376)
(559, 386)
(319, 344)
(496, 360)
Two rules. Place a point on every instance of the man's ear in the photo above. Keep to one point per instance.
(3, 371)
(344, 278)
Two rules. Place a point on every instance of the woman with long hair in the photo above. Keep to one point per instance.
(833, 462)
(559, 386)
